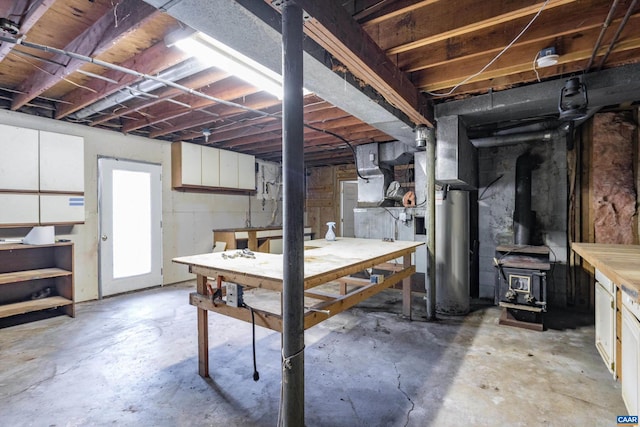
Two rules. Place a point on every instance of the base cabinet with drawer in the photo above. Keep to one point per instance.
(36, 277)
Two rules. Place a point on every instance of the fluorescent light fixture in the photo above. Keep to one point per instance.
(219, 55)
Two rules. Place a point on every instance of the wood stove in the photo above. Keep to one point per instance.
(521, 284)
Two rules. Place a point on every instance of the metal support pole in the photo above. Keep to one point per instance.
(430, 223)
(292, 405)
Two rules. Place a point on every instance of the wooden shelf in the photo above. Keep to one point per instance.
(24, 276)
(28, 270)
(34, 305)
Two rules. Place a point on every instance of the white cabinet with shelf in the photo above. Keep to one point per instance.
(19, 209)
(228, 169)
(246, 172)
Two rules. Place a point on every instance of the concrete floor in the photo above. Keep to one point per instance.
(132, 360)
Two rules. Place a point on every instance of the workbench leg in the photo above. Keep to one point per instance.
(203, 330)
(406, 289)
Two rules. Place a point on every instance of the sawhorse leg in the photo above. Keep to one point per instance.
(203, 330)
(406, 289)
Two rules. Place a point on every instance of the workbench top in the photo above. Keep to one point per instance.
(620, 263)
(322, 258)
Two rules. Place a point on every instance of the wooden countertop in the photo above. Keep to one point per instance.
(620, 263)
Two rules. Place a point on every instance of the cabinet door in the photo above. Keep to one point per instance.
(19, 209)
(61, 162)
(191, 164)
(246, 172)
(630, 360)
(228, 169)
(605, 326)
(210, 167)
(61, 208)
(19, 159)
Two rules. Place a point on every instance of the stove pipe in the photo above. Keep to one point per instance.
(523, 216)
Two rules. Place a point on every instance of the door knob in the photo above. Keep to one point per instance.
(104, 237)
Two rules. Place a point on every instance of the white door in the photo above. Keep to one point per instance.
(348, 201)
(630, 369)
(130, 210)
(605, 326)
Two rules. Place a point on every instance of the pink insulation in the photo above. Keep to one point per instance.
(614, 193)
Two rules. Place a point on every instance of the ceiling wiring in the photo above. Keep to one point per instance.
(495, 58)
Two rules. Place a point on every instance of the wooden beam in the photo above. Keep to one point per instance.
(388, 10)
(515, 64)
(34, 11)
(446, 22)
(263, 318)
(101, 36)
(337, 32)
(491, 40)
(153, 60)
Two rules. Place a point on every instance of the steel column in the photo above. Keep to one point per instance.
(430, 223)
(292, 405)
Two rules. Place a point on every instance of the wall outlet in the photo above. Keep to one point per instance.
(234, 295)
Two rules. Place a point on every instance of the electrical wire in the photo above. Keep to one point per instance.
(453, 89)
(335, 135)
(489, 186)
(256, 375)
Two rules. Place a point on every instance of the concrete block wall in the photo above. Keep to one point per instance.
(496, 203)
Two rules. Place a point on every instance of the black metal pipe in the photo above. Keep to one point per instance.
(523, 216)
(292, 405)
(603, 30)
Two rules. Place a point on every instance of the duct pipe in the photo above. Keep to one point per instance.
(430, 223)
(292, 404)
(523, 216)
(515, 138)
(175, 73)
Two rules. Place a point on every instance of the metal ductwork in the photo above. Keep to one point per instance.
(375, 166)
(177, 72)
(515, 138)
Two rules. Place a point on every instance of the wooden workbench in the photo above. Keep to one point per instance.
(324, 262)
(620, 263)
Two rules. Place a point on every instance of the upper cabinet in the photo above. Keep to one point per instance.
(198, 167)
(63, 168)
(19, 159)
(41, 177)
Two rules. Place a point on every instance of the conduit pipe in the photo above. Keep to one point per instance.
(131, 72)
(617, 34)
(605, 25)
(175, 73)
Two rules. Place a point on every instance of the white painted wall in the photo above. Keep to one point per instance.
(188, 218)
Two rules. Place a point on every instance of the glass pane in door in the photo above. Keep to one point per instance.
(131, 223)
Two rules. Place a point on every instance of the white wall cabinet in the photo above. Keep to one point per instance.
(41, 177)
(62, 163)
(196, 167)
(19, 209)
(19, 159)
(210, 166)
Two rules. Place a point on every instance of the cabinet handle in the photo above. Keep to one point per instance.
(104, 237)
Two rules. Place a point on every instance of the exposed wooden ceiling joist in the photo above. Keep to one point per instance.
(332, 28)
